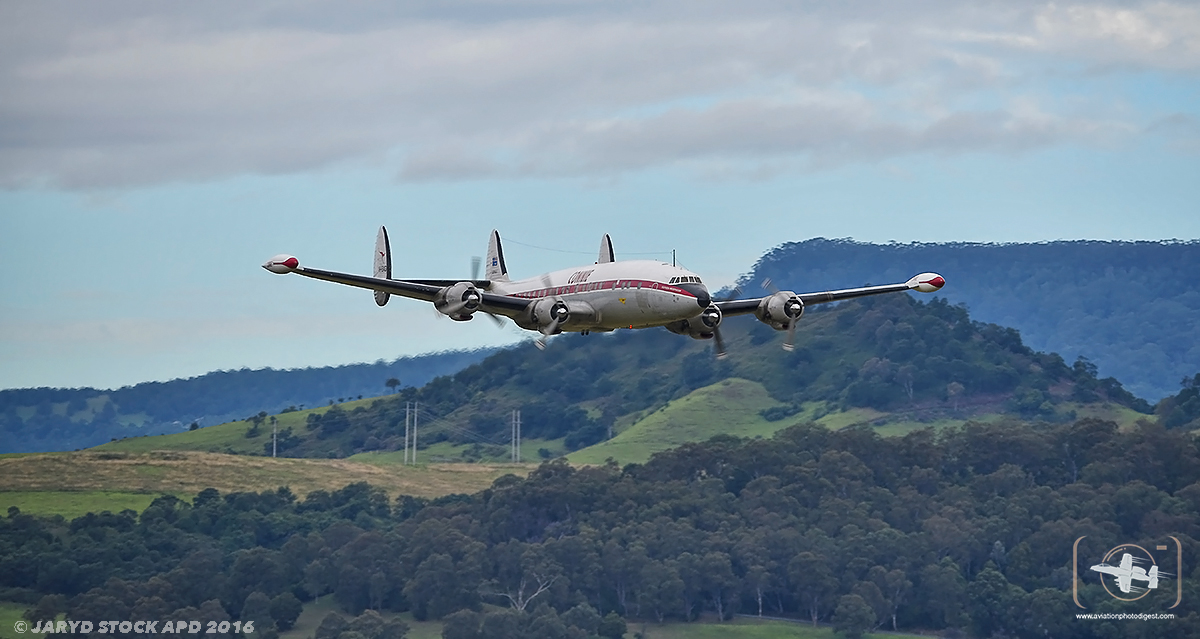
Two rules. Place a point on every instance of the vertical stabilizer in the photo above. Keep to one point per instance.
(606, 250)
(383, 263)
(496, 270)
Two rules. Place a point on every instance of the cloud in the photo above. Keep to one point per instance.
(138, 94)
(748, 137)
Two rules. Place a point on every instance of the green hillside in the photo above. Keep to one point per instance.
(230, 437)
(729, 407)
(734, 407)
(895, 363)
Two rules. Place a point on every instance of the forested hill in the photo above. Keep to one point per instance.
(1129, 307)
(970, 530)
(889, 354)
(47, 419)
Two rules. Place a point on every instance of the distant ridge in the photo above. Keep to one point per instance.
(1130, 307)
(48, 419)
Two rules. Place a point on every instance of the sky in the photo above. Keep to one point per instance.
(153, 155)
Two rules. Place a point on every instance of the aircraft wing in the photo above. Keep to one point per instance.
(925, 283)
(424, 289)
(1127, 562)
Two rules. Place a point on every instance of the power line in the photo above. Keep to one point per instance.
(555, 250)
(435, 423)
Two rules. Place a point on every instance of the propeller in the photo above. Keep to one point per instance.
(558, 315)
(719, 347)
(476, 262)
(792, 308)
(549, 329)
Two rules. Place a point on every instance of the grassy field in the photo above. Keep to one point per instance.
(73, 504)
(730, 406)
(740, 628)
(10, 613)
(1125, 417)
(186, 473)
(446, 452)
(229, 437)
(314, 612)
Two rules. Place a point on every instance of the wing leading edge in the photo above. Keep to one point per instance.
(924, 283)
(425, 290)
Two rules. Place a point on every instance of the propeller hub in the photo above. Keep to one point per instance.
(794, 308)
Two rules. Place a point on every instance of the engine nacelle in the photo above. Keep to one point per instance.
(702, 326)
(779, 309)
(459, 301)
(549, 311)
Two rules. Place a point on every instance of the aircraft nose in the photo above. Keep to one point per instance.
(703, 299)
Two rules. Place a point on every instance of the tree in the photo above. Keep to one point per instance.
(463, 624)
(392, 383)
(369, 624)
(719, 582)
(814, 582)
(48, 607)
(853, 617)
(612, 626)
(953, 391)
(894, 585)
(583, 617)
(285, 609)
(257, 608)
(524, 572)
(663, 589)
(331, 626)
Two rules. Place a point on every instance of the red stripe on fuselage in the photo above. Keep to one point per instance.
(607, 285)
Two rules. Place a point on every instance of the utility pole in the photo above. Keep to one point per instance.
(415, 413)
(515, 446)
(406, 422)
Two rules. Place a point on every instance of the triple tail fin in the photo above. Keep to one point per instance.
(606, 250)
(383, 264)
(495, 269)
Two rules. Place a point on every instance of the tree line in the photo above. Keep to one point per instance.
(970, 529)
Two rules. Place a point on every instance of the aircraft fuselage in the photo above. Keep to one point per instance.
(626, 294)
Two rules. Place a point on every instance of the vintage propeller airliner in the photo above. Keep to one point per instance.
(600, 297)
